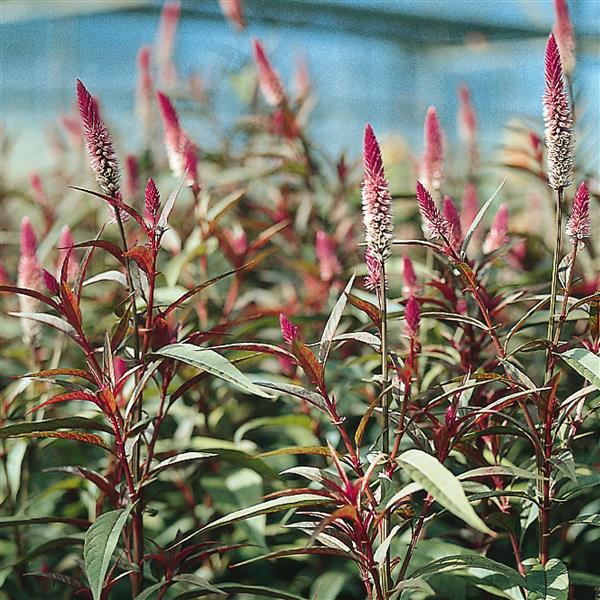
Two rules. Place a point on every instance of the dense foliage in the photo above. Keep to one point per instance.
(242, 373)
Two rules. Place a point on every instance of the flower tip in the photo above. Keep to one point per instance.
(289, 331)
(50, 282)
(27, 238)
(412, 316)
(578, 224)
(372, 153)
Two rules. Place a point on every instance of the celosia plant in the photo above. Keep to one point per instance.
(230, 386)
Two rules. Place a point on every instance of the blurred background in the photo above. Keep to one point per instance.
(382, 61)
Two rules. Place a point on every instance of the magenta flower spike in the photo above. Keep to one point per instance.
(144, 92)
(65, 243)
(151, 201)
(169, 19)
(289, 331)
(467, 116)
(233, 11)
(578, 223)
(565, 37)
(181, 152)
(410, 287)
(432, 169)
(412, 316)
(131, 185)
(37, 190)
(376, 200)
(470, 206)
(50, 282)
(451, 215)
(558, 120)
(436, 223)
(329, 265)
(301, 77)
(268, 79)
(498, 235)
(98, 143)
(29, 277)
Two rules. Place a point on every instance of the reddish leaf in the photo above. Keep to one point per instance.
(13, 289)
(88, 438)
(79, 395)
(369, 309)
(105, 245)
(70, 304)
(55, 372)
(143, 257)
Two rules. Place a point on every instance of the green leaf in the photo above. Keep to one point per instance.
(212, 362)
(18, 520)
(593, 520)
(303, 421)
(547, 582)
(477, 219)
(198, 581)
(53, 425)
(586, 363)
(100, 542)
(437, 480)
(333, 322)
(180, 459)
(459, 562)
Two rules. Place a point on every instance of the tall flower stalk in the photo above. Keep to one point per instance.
(378, 225)
(559, 145)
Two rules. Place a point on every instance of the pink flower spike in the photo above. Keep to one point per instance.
(563, 32)
(50, 282)
(376, 200)
(412, 316)
(37, 190)
(98, 142)
(28, 239)
(240, 243)
(233, 10)
(289, 331)
(578, 224)
(558, 120)
(373, 279)
(169, 19)
(467, 118)
(301, 77)
(29, 277)
(151, 201)
(329, 265)
(65, 243)
(433, 159)
(437, 225)
(144, 90)
(470, 206)
(451, 215)
(410, 287)
(131, 176)
(268, 79)
(498, 235)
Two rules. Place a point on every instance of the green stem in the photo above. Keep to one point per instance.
(385, 429)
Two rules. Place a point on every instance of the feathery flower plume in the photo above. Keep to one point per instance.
(329, 265)
(151, 201)
(467, 118)
(37, 190)
(578, 224)
(432, 168)
(437, 225)
(98, 142)
(268, 79)
(169, 20)
(289, 331)
(301, 77)
(470, 205)
(50, 282)
(233, 11)
(558, 120)
(144, 91)
(451, 215)
(410, 287)
(563, 32)
(30, 277)
(65, 243)
(376, 200)
(412, 316)
(372, 280)
(498, 235)
(181, 152)
(131, 184)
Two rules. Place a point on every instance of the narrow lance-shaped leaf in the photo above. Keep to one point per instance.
(442, 485)
(547, 582)
(100, 542)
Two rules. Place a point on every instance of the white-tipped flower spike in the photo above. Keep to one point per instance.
(578, 224)
(65, 243)
(432, 170)
(98, 143)
(233, 10)
(563, 32)
(437, 225)
(268, 79)
(29, 277)
(376, 200)
(372, 280)
(558, 120)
